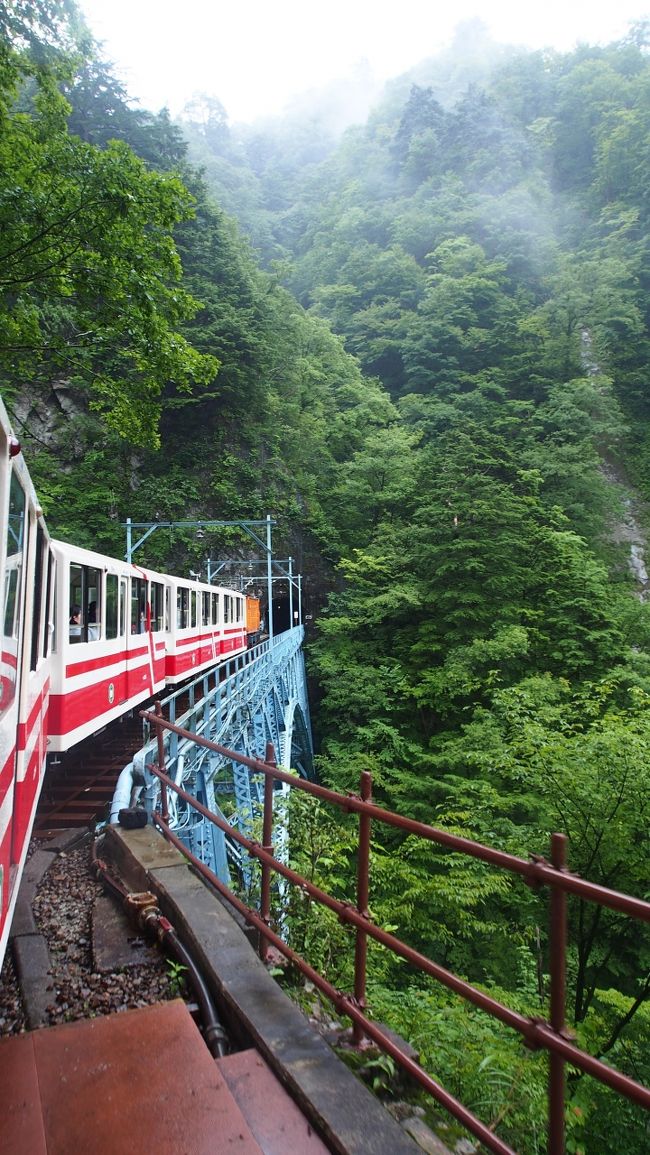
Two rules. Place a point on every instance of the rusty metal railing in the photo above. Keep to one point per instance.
(537, 1033)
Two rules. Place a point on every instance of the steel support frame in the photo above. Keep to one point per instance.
(262, 700)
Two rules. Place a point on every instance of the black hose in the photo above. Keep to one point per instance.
(150, 918)
(213, 1032)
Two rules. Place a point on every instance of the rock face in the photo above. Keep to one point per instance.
(627, 531)
(42, 413)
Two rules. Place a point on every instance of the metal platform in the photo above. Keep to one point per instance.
(142, 1081)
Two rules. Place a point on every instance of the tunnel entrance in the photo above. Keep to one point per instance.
(281, 615)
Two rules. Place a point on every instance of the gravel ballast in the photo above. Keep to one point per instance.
(63, 911)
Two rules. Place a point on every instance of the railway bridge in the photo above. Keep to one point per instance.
(257, 698)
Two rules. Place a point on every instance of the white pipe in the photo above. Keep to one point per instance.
(180, 769)
(122, 794)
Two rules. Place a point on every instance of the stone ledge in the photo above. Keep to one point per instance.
(32, 959)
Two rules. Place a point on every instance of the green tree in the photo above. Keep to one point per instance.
(90, 279)
(465, 321)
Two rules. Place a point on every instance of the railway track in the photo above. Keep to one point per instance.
(79, 784)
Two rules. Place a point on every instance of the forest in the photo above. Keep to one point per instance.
(422, 343)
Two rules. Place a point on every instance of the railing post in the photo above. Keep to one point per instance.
(161, 765)
(557, 967)
(267, 844)
(363, 869)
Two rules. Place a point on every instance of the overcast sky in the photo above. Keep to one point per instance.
(255, 54)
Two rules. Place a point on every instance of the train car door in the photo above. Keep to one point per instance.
(14, 549)
(115, 628)
(34, 673)
(139, 678)
(158, 628)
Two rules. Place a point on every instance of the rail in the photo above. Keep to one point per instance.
(551, 1035)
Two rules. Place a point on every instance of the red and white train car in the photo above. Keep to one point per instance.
(122, 633)
(109, 642)
(85, 638)
(207, 625)
(27, 569)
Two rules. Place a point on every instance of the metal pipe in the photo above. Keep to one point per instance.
(348, 1007)
(267, 843)
(161, 764)
(122, 793)
(363, 889)
(214, 1033)
(347, 913)
(557, 967)
(104, 876)
(536, 1033)
(536, 871)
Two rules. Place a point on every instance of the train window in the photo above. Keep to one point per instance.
(39, 608)
(238, 606)
(76, 603)
(12, 606)
(205, 615)
(193, 606)
(49, 618)
(138, 604)
(122, 607)
(11, 599)
(94, 603)
(182, 605)
(112, 606)
(226, 608)
(85, 603)
(157, 606)
(215, 609)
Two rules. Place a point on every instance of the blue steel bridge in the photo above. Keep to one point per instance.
(256, 698)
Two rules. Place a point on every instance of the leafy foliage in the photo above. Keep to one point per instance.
(89, 274)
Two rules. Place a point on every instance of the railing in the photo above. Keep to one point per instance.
(551, 1035)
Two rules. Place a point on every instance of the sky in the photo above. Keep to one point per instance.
(255, 55)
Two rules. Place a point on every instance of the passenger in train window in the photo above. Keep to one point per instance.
(93, 626)
(75, 624)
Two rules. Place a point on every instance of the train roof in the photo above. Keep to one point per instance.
(76, 553)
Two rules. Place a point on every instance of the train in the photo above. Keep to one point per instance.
(85, 639)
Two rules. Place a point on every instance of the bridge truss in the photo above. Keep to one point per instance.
(256, 698)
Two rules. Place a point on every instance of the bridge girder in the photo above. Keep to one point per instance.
(262, 699)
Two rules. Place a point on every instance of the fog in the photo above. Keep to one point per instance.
(256, 57)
